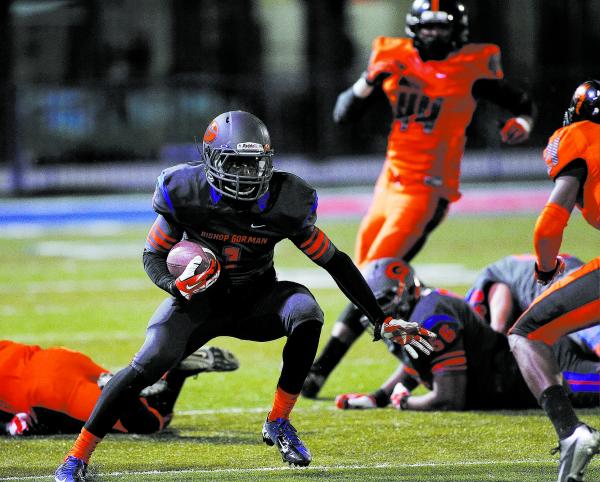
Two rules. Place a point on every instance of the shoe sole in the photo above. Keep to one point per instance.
(209, 359)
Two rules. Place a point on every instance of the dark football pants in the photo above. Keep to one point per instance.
(581, 372)
(262, 311)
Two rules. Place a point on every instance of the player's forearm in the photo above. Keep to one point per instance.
(156, 268)
(429, 401)
(507, 96)
(352, 283)
(548, 235)
(348, 107)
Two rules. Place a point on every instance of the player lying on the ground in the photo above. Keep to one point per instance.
(572, 159)
(471, 366)
(501, 292)
(237, 207)
(53, 390)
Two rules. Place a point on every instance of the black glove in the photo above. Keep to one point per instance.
(544, 278)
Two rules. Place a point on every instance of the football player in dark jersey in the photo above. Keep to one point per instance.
(572, 303)
(238, 207)
(431, 80)
(471, 366)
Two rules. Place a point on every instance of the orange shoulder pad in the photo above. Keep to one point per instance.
(565, 145)
(485, 58)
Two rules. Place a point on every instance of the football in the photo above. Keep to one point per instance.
(183, 252)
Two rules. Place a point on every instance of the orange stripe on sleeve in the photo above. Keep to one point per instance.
(323, 250)
(309, 241)
(166, 237)
(153, 244)
(316, 245)
(160, 241)
(450, 354)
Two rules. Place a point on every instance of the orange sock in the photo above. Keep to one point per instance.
(84, 445)
(282, 405)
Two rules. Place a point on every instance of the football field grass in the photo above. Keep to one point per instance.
(86, 289)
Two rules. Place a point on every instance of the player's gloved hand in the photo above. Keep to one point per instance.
(22, 423)
(356, 401)
(544, 278)
(516, 130)
(408, 334)
(399, 394)
(189, 282)
(379, 71)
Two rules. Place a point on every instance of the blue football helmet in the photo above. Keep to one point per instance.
(394, 284)
(236, 152)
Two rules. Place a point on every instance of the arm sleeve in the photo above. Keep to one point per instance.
(315, 244)
(502, 93)
(161, 238)
(348, 107)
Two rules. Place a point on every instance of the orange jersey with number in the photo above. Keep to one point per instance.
(432, 105)
(580, 140)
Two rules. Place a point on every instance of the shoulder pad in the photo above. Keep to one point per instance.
(565, 145)
(294, 203)
(177, 185)
(485, 58)
(382, 47)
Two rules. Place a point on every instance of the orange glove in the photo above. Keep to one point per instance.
(347, 401)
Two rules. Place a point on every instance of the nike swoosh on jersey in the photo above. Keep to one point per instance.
(256, 226)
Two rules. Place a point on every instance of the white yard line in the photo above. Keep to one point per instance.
(314, 468)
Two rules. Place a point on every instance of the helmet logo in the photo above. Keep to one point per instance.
(252, 147)
(211, 132)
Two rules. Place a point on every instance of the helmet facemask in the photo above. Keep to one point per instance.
(238, 176)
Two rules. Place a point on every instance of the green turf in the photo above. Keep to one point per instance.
(101, 308)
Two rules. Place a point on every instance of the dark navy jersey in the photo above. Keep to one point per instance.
(517, 272)
(465, 344)
(243, 239)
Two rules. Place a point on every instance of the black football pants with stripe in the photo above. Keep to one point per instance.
(264, 310)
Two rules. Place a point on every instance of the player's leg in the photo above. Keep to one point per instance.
(346, 330)
(410, 218)
(167, 336)
(570, 304)
(372, 222)
(580, 370)
(282, 309)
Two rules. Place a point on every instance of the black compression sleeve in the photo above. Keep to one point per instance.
(348, 107)
(353, 285)
(156, 269)
(508, 96)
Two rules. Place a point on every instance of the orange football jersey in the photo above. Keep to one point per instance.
(578, 140)
(432, 105)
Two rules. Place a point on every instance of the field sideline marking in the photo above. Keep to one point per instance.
(311, 468)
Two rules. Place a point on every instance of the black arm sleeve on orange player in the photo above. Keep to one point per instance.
(348, 107)
(508, 96)
(353, 285)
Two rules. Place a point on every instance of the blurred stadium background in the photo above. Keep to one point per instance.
(99, 95)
